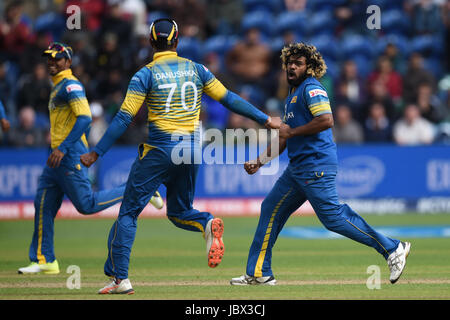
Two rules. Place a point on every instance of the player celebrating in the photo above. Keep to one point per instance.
(172, 88)
(311, 173)
(70, 118)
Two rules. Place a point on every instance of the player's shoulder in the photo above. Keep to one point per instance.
(143, 73)
(73, 85)
(313, 88)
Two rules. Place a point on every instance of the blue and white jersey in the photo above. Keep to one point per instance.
(311, 152)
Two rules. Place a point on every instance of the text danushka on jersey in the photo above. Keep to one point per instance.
(173, 75)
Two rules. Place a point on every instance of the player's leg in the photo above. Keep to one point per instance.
(320, 189)
(340, 218)
(47, 203)
(180, 197)
(146, 175)
(77, 187)
(280, 203)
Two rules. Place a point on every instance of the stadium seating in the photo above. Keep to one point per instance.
(357, 45)
(401, 42)
(190, 48)
(396, 22)
(295, 21)
(261, 20)
(327, 46)
(322, 23)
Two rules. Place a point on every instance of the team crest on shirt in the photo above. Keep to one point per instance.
(74, 87)
(317, 92)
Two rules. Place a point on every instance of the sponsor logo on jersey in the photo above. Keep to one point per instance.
(74, 87)
(317, 92)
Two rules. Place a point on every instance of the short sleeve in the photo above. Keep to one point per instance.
(317, 100)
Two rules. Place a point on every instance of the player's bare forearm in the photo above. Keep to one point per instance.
(253, 166)
(270, 154)
(316, 125)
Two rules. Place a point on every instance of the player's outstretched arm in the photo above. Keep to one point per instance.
(216, 90)
(116, 129)
(136, 93)
(253, 166)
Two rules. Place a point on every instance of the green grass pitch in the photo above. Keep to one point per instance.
(168, 263)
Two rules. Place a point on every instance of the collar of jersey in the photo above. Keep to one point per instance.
(164, 54)
(61, 75)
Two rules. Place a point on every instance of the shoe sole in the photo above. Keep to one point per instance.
(408, 249)
(50, 272)
(109, 291)
(38, 272)
(129, 291)
(21, 272)
(270, 283)
(217, 249)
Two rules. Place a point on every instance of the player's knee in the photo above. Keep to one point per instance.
(266, 206)
(85, 208)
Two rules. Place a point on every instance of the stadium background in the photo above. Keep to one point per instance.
(391, 161)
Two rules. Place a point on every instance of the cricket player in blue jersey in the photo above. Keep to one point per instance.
(70, 118)
(310, 175)
(171, 87)
(4, 122)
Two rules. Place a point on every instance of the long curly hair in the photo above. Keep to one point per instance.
(315, 65)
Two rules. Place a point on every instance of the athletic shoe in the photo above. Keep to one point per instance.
(117, 286)
(397, 260)
(215, 247)
(157, 201)
(46, 268)
(246, 280)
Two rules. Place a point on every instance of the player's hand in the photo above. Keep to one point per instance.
(5, 125)
(285, 131)
(273, 123)
(252, 166)
(88, 159)
(55, 158)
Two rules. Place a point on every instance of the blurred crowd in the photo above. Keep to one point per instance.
(386, 85)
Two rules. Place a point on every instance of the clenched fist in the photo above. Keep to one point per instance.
(88, 159)
(252, 166)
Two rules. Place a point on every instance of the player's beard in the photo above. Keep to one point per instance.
(295, 82)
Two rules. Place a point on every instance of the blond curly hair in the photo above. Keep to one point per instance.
(315, 65)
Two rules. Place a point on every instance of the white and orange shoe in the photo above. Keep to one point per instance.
(215, 247)
(117, 286)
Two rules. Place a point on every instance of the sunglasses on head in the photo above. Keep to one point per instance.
(60, 48)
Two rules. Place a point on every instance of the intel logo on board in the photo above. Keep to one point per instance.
(359, 175)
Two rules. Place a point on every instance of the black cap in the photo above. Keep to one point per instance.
(164, 31)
